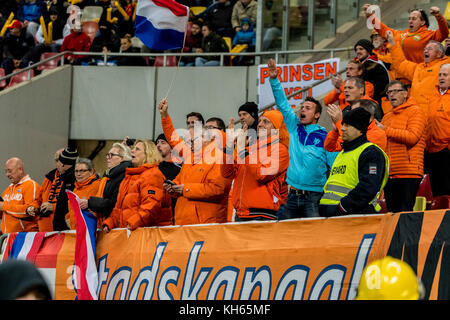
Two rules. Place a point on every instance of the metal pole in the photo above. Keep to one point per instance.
(311, 13)
(285, 29)
(333, 21)
(259, 29)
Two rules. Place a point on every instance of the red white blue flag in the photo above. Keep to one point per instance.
(23, 245)
(161, 24)
(85, 269)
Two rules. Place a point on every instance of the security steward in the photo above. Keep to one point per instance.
(359, 172)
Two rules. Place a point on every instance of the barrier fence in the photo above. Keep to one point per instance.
(311, 259)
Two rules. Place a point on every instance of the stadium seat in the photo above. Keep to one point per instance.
(90, 28)
(51, 64)
(91, 13)
(420, 204)
(21, 77)
(228, 42)
(3, 82)
(425, 189)
(197, 10)
(170, 62)
(440, 202)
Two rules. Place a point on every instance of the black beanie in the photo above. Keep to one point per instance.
(358, 118)
(366, 44)
(68, 156)
(251, 108)
(161, 137)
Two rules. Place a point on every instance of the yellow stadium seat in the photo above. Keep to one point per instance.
(238, 48)
(228, 42)
(197, 10)
(447, 11)
(421, 204)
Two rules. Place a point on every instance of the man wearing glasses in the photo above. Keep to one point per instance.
(405, 131)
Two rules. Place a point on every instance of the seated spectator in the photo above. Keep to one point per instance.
(375, 134)
(201, 191)
(245, 36)
(353, 69)
(424, 75)
(17, 46)
(120, 22)
(106, 40)
(126, 46)
(192, 42)
(374, 71)
(60, 6)
(211, 42)
(258, 170)
(218, 17)
(16, 206)
(77, 41)
(243, 9)
(87, 183)
(405, 131)
(29, 12)
(437, 155)
(415, 38)
(142, 200)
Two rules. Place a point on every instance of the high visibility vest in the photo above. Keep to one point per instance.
(344, 176)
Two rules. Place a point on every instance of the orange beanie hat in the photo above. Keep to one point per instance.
(276, 118)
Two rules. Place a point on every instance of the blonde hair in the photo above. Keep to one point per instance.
(124, 151)
(152, 154)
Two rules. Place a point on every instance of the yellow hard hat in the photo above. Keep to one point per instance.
(388, 279)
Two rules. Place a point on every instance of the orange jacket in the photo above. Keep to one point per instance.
(258, 186)
(374, 134)
(424, 76)
(84, 189)
(405, 131)
(333, 96)
(17, 198)
(413, 43)
(173, 138)
(142, 200)
(47, 194)
(205, 193)
(384, 54)
(438, 131)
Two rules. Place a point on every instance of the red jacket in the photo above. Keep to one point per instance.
(76, 41)
(142, 200)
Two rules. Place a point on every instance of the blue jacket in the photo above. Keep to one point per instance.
(309, 162)
(245, 37)
(31, 11)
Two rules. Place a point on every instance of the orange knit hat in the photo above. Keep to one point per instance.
(276, 118)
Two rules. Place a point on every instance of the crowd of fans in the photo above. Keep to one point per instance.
(276, 165)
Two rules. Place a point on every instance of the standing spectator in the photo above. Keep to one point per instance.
(170, 166)
(192, 42)
(17, 47)
(354, 91)
(212, 42)
(415, 38)
(118, 159)
(243, 9)
(201, 190)
(77, 40)
(309, 162)
(259, 169)
(218, 17)
(248, 115)
(29, 12)
(424, 75)
(359, 172)
(52, 204)
(16, 206)
(86, 185)
(142, 200)
(374, 71)
(437, 155)
(405, 131)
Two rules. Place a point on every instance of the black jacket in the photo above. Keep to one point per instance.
(214, 43)
(62, 204)
(376, 74)
(18, 47)
(106, 204)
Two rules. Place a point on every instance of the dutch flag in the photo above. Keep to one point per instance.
(161, 24)
(85, 269)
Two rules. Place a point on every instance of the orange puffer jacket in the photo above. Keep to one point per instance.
(438, 130)
(142, 200)
(405, 131)
(85, 189)
(17, 198)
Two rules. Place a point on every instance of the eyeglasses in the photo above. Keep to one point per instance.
(211, 127)
(110, 155)
(81, 171)
(394, 91)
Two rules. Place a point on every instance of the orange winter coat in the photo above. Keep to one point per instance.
(438, 131)
(405, 131)
(333, 96)
(374, 134)
(424, 76)
(205, 193)
(85, 189)
(142, 200)
(258, 175)
(413, 43)
(17, 198)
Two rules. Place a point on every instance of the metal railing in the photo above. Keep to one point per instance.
(222, 55)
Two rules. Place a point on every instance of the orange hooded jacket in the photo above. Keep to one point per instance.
(85, 189)
(142, 200)
(405, 131)
(424, 76)
(438, 131)
(17, 198)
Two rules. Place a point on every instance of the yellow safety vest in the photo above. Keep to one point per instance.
(344, 177)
